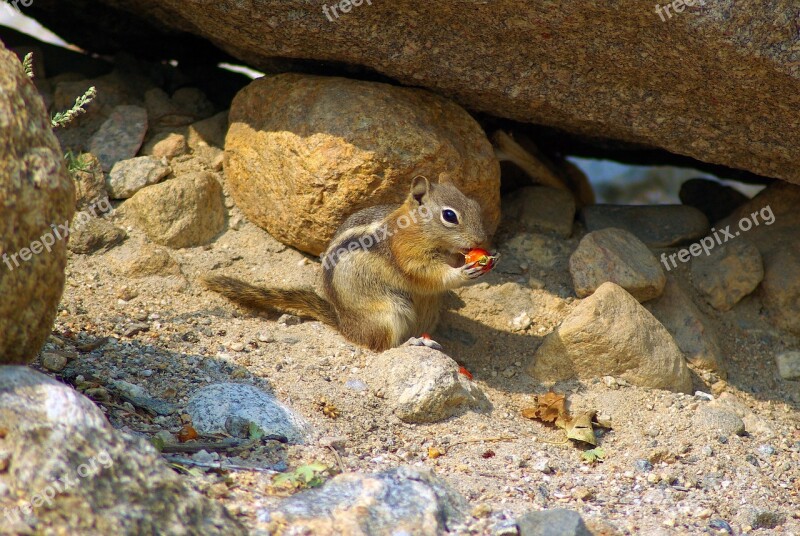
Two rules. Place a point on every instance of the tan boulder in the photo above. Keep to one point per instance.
(36, 197)
(611, 334)
(305, 152)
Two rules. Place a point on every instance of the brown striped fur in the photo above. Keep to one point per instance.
(379, 296)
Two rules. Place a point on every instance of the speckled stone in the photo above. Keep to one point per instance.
(403, 500)
(35, 193)
(118, 483)
(120, 137)
(719, 82)
(304, 152)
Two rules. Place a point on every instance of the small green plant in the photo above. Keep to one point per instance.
(64, 118)
(306, 476)
(593, 456)
(75, 162)
(27, 64)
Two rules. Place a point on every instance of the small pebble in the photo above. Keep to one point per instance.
(643, 465)
(53, 362)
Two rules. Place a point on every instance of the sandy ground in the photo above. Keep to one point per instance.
(501, 462)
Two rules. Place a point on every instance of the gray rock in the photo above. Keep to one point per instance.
(403, 500)
(53, 362)
(540, 209)
(657, 226)
(616, 256)
(139, 397)
(423, 385)
(729, 273)
(712, 198)
(129, 176)
(213, 405)
(789, 365)
(120, 137)
(84, 477)
(94, 234)
(691, 329)
(555, 522)
(717, 420)
(183, 212)
(611, 334)
(36, 193)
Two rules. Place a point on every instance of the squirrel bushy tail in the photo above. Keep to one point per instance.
(300, 301)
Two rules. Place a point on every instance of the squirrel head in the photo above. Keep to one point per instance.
(451, 221)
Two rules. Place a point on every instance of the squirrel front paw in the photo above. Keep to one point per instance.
(473, 270)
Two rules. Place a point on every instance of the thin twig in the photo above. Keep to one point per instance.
(480, 440)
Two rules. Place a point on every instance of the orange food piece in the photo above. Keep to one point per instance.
(482, 257)
(465, 372)
(187, 433)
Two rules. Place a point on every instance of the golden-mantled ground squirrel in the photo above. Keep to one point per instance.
(386, 269)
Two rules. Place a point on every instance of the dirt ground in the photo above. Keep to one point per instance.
(169, 336)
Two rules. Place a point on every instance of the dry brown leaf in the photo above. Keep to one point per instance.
(579, 428)
(549, 407)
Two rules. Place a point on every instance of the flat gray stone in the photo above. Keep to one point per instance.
(403, 500)
(555, 522)
(211, 406)
(656, 225)
(120, 136)
(129, 176)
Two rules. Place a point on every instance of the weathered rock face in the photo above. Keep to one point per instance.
(75, 472)
(183, 212)
(424, 385)
(589, 68)
(617, 256)
(35, 193)
(691, 329)
(771, 222)
(305, 152)
(404, 500)
(611, 334)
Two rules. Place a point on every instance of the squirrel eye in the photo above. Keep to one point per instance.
(450, 216)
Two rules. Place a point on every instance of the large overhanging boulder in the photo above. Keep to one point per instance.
(718, 80)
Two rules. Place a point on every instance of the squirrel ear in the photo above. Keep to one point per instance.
(420, 188)
(445, 178)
